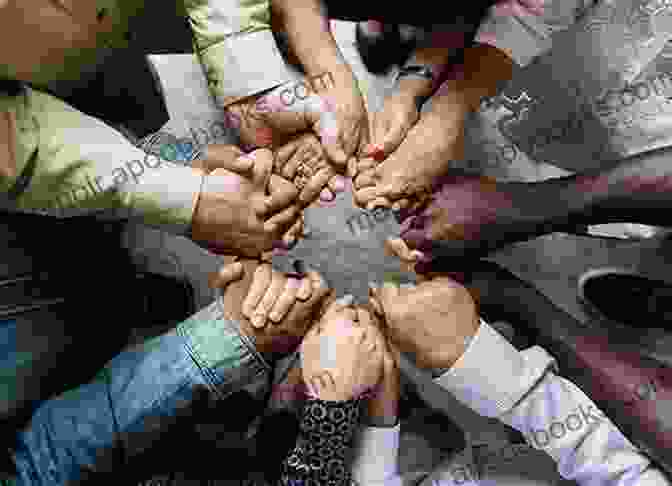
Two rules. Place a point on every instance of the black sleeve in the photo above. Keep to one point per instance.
(325, 436)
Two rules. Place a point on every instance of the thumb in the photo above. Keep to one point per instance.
(226, 275)
(393, 138)
(392, 191)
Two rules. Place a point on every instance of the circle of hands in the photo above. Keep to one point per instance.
(253, 202)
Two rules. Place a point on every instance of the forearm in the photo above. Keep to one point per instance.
(611, 370)
(481, 75)
(310, 37)
(636, 190)
(98, 428)
(523, 391)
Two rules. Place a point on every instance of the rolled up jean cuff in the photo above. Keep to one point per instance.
(226, 356)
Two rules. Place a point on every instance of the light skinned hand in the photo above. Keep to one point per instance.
(408, 174)
(390, 125)
(245, 215)
(383, 404)
(235, 282)
(341, 358)
(433, 321)
(304, 161)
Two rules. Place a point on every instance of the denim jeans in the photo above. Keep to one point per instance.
(95, 430)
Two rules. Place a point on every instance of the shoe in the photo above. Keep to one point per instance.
(625, 297)
(381, 50)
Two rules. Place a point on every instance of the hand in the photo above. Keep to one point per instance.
(330, 105)
(383, 406)
(390, 125)
(468, 216)
(340, 356)
(224, 156)
(271, 294)
(304, 162)
(434, 321)
(283, 336)
(235, 215)
(342, 121)
(407, 176)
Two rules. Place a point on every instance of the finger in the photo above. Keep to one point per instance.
(352, 168)
(315, 185)
(367, 164)
(387, 294)
(305, 289)
(275, 290)
(226, 275)
(366, 178)
(321, 295)
(397, 247)
(282, 193)
(338, 184)
(363, 317)
(326, 195)
(393, 139)
(365, 195)
(400, 204)
(284, 157)
(260, 282)
(351, 138)
(391, 191)
(417, 239)
(281, 222)
(374, 302)
(285, 301)
(263, 167)
(290, 238)
(225, 156)
(339, 305)
(378, 202)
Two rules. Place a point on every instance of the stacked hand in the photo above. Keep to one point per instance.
(252, 288)
(342, 355)
(290, 119)
(243, 209)
(432, 322)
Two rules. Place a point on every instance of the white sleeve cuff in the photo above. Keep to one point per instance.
(375, 455)
(245, 65)
(492, 376)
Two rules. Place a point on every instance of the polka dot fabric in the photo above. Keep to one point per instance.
(326, 433)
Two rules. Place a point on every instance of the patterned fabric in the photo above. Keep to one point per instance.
(326, 434)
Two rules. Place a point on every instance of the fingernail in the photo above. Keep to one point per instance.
(326, 195)
(275, 316)
(258, 320)
(396, 206)
(339, 184)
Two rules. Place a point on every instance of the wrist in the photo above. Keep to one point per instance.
(412, 87)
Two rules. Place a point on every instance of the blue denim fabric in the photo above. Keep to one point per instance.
(99, 427)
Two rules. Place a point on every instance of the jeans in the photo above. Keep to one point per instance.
(104, 427)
